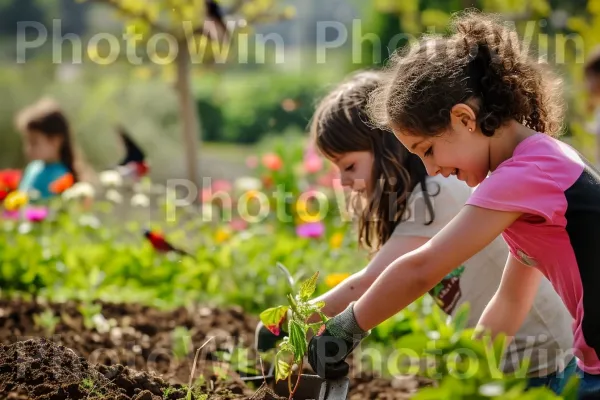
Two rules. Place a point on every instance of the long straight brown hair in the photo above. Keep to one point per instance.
(340, 125)
(47, 118)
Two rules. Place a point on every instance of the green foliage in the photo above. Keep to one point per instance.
(293, 347)
(181, 339)
(46, 321)
(238, 109)
(463, 363)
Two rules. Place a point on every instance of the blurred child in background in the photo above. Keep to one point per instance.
(48, 147)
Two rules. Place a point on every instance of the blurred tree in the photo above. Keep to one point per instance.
(583, 35)
(200, 33)
(13, 11)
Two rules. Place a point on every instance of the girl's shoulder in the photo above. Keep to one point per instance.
(445, 189)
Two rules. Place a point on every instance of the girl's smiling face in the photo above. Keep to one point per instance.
(356, 169)
(460, 150)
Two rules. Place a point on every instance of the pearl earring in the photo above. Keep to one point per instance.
(470, 129)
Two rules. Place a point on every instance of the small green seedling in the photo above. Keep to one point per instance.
(293, 347)
(47, 321)
(181, 342)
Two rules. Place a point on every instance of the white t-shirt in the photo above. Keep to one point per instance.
(546, 334)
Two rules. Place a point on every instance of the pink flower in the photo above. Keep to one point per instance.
(32, 214)
(310, 230)
(12, 214)
(221, 185)
(36, 214)
(252, 162)
(208, 195)
(238, 224)
(313, 164)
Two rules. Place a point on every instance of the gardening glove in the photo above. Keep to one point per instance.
(265, 340)
(337, 338)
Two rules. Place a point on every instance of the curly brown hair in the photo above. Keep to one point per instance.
(340, 125)
(480, 64)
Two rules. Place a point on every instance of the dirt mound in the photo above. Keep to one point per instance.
(140, 337)
(39, 369)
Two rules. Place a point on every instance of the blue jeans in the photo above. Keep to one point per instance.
(556, 381)
(589, 385)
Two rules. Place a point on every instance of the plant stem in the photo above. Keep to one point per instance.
(189, 392)
(292, 392)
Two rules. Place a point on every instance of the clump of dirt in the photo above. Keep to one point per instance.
(38, 369)
(140, 337)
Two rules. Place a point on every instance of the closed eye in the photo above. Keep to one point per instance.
(349, 167)
(429, 151)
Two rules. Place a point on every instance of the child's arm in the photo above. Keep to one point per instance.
(350, 289)
(507, 310)
(413, 274)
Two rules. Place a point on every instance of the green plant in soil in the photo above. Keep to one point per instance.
(292, 348)
(46, 321)
(181, 339)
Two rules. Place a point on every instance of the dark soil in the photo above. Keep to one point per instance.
(138, 337)
(39, 369)
(103, 359)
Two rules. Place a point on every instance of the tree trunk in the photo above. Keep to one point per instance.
(189, 116)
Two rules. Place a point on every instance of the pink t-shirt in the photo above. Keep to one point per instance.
(558, 193)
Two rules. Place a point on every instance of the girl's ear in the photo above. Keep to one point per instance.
(463, 115)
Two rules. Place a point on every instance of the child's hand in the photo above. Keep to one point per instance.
(327, 351)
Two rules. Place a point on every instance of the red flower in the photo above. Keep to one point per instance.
(272, 161)
(9, 179)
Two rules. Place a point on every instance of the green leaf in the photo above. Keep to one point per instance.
(298, 340)
(282, 368)
(570, 390)
(308, 287)
(318, 305)
(461, 317)
(273, 317)
(415, 342)
(315, 326)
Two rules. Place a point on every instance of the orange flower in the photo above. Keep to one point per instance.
(272, 161)
(333, 280)
(63, 183)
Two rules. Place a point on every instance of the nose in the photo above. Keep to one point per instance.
(347, 181)
(432, 169)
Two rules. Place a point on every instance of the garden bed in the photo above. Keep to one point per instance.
(133, 352)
